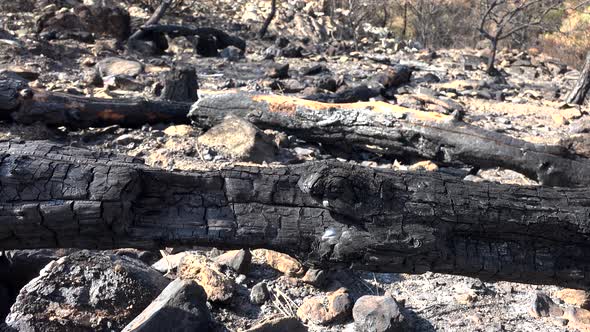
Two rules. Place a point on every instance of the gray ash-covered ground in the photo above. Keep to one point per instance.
(526, 104)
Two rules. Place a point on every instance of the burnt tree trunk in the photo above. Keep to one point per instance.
(327, 213)
(580, 91)
(396, 131)
(268, 20)
(26, 106)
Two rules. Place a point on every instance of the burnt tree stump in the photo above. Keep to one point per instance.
(180, 84)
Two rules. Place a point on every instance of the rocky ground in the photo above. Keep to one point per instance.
(256, 289)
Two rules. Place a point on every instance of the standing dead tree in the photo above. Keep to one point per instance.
(268, 20)
(580, 91)
(501, 19)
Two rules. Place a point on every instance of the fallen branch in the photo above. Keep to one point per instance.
(26, 106)
(328, 213)
(210, 39)
(396, 131)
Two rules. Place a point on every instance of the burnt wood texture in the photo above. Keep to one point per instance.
(327, 213)
(370, 126)
(23, 105)
(397, 131)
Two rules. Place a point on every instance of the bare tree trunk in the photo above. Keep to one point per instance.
(269, 18)
(491, 69)
(327, 213)
(404, 30)
(580, 91)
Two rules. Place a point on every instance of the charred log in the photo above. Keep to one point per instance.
(209, 39)
(23, 105)
(327, 213)
(397, 131)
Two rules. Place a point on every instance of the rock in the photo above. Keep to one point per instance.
(86, 291)
(543, 306)
(259, 293)
(578, 144)
(180, 131)
(127, 139)
(146, 256)
(292, 52)
(231, 53)
(237, 260)
(576, 297)
(430, 78)
(578, 319)
(283, 263)
(122, 82)
(106, 21)
(315, 277)
(467, 297)
(472, 62)
(92, 78)
(425, 165)
(314, 70)
(217, 285)
(327, 308)
(327, 83)
(278, 324)
(395, 77)
(377, 314)
(559, 119)
(114, 66)
(281, 42)
(241, 140)
(279, 71)
(182, 306)
(24, 265)
(169, 262)
(272, 52)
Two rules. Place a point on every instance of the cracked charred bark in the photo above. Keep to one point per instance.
(397, 131)
(327, 213)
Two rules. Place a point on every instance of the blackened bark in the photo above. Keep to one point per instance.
(180, 84)
(154, 19)
(580, 91)
(26, 106)
(328, 213)
(268, 20)
(210, 39)
(397, 131)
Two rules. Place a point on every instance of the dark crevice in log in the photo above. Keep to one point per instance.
(328, 213)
